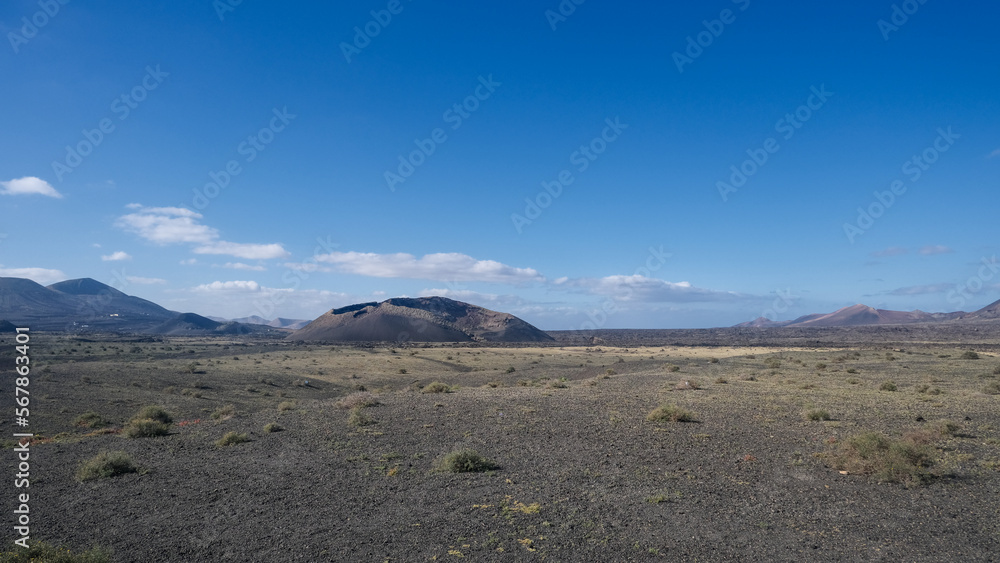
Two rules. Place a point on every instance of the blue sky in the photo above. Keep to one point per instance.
(711, 158)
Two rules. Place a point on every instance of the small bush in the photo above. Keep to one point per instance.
(817, 415)
(286, 406)
(272, 427)
(436, 387)
(672, 368)
(402, 371)
(355, 400)
(992, 388)
(465, 461)
(146, 428)
(713, 361)
(153, 412)
(231, 438)
(970, 355)
(510, 370)
(105, 465)
(772, 363)
(670, 413)
(224, 413)
(359, 418)
(687, 385)
(893, 461)
(821, 366)
(852, 370)
(90, 419)
(722, 380)
(888, 386)
(41, 552)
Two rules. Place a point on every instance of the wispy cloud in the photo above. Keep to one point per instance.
(241, 266)
(646, 289)
(922, 289)
(145, 281)
(439, 267)
(29, 185)
(221, 286)
(177, 225)
(116, 256)
(935, 249)
(891, 251)
(994, 154)
(40, 275)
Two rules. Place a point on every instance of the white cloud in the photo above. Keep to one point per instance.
(176, 225)
(241, 266)
(189, 262)
(243, 250)
(40, 275)
(238, 286)
(116, 256)
(648, 290)
(144, 281)
(440, 267)
(27, 186)
(167, 225)
(936, 249)
(994, 154)
(308, 267)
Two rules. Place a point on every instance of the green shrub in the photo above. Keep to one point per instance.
(888, 386)
(224, 412)
(465, 461)
(153, 412)
(41, 552)
(105, 465)
(273, 427)
(286, 406)
(436, 387)
(510, 370)
(821, 366)
(889, 460)
(90, 419)
(672, 368)
(818, 415)
(359, 418)
(670, 413)
(852, 370)
(970, 355)
(145, 428)
(359, 399)
(231, 438)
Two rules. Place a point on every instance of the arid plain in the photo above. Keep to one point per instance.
(276, 450)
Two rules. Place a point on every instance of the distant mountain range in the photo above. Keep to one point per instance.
(293, 324)
(85, 304)
(863, 315)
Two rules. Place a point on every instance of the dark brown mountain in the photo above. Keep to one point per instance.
(424, 319)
